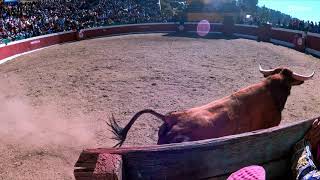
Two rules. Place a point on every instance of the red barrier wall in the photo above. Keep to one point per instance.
(134, 28)
(284, 35)
(287, 36)
(292, 38)
(192, 27)
(265, 33)
(216, 27)
(35, 43)
(313, 41)
(279, 35)
(246, 29)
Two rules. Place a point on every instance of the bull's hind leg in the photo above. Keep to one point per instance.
(167, 136)
(163, 130)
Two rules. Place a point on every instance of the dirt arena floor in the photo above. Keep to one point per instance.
(55, 102)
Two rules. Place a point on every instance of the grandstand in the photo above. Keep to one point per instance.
(30, 19)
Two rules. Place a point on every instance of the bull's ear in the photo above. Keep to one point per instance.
(288, 75)
(296, 82)
(269, 74)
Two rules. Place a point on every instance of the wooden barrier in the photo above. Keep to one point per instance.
(264, 33)
(34, 43)
(285, 37)
(130, 28)
(206, 159)
(246, 31)
(192, 27)
(30, 44)
(313, 44)
(228, 25)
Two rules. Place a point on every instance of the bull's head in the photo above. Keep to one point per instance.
(285, 74)
(280, 81)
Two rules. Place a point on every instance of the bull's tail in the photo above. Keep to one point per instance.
(121, 133)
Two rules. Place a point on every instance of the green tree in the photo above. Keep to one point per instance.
(264, 14)
(170, 8)
(248, 5)
(166, 8)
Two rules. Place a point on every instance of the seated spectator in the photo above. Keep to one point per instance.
(304, 160)
(306, 155)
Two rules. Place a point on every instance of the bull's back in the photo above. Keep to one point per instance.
(256, 109)
(247, 110)
(205, 122)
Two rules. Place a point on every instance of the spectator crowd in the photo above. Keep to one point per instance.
(294, 24)
(307, 26)
(24, 20)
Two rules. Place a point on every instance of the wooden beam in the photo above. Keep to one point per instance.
(101, 166)
(214, 157)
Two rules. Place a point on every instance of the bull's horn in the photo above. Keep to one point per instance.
(265, 72)
(300, 77)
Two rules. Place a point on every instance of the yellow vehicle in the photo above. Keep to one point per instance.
(212, 10)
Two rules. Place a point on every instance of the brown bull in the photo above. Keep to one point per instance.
(256, 107)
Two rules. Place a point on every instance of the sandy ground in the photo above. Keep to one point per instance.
(54, 102)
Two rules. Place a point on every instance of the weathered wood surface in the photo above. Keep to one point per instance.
(102, 166)
(210, 159)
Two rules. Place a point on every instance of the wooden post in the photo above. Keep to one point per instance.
(228, 25)
(300, 42)
(101, 166)
(264, 32)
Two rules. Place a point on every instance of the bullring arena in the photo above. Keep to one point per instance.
(55, 101)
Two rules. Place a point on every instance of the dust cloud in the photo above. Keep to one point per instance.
(20, 122)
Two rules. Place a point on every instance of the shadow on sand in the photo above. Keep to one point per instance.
(196, 36)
